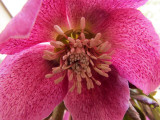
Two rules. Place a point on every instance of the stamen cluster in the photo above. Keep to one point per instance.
(79, 53)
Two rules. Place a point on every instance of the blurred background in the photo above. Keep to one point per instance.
(9, 8)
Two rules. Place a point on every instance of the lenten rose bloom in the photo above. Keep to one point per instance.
(96, 47)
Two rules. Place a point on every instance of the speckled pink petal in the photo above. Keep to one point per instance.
(22, 23)
(25, 93)
(106, 102)
(136, 47)
(93, 10)
(52, 12)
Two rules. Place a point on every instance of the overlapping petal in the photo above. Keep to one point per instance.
(136, 47)
(21, 24)
(93, 10)
(106, 102)
(52, 12)
(25, 93)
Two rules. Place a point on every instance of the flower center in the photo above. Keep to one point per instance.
(79, 52)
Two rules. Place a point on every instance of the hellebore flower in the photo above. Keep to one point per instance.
(96, 47)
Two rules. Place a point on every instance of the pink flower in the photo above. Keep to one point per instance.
(118, 44)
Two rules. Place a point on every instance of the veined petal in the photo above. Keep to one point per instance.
(109, 101)
(25, 92)
(22, 23)
(136, 46)
(93, 10)
(52, 12)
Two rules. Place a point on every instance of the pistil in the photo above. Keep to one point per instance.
(78, 56)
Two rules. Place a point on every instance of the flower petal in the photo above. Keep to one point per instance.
(93, 10)
(25, 93)
(136, 47)
(109, 101)
(22, 23)
(52, 12)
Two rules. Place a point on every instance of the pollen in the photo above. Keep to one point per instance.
(79, 53)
